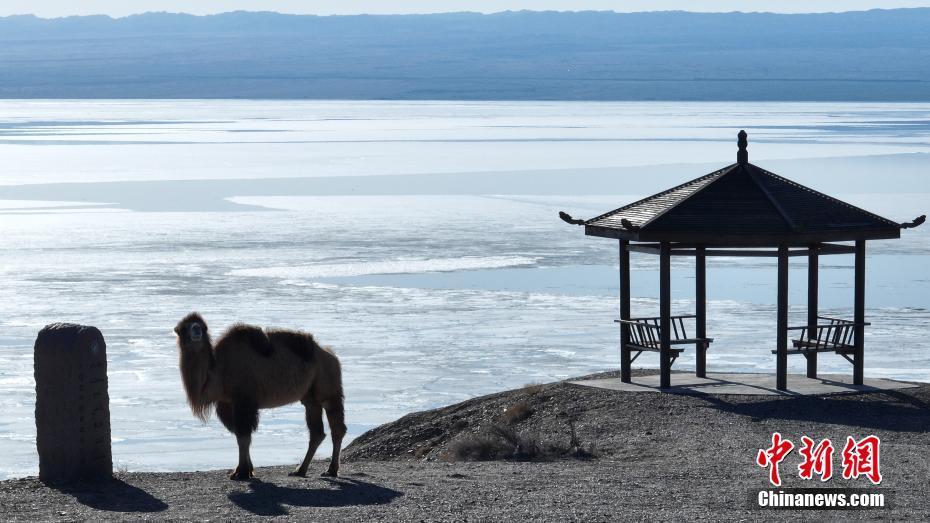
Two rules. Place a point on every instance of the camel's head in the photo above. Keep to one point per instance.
(192, 333)
(195, 362)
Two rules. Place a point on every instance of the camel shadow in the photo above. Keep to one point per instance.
(889, 410)
(112, 495)
(268, 499)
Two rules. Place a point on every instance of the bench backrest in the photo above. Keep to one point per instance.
(834, 332)
(647, 331)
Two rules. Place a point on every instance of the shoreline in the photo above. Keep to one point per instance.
(652, 456)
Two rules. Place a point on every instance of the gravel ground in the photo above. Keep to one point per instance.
(655, 457)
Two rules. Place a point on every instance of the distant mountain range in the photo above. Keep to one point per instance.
(880, 55)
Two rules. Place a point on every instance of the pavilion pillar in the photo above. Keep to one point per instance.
(859, 314)
(812, 291)
(625, 361)
(781, 361)
(700, 310)
(665, 313)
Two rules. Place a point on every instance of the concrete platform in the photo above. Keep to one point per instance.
(748, 384)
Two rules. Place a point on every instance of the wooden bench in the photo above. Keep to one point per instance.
(835, 335)
(646, 335)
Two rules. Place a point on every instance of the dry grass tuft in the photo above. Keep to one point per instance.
(500, 442)
(517, 412)
(532, 389)
(478, 447)
(520, 446)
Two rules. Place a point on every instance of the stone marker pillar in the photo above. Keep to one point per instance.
(72, 404)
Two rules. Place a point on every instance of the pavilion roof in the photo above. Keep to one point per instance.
(741, 204)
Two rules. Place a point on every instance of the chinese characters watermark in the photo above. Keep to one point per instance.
(859, 458)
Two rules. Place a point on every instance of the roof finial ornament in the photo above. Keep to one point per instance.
(917, 222)
(567, 218)
(742, 155)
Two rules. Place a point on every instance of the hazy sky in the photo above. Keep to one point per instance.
(54, 8)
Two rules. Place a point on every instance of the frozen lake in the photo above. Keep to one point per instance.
(420, 240)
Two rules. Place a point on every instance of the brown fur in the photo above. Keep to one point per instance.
(250, 369)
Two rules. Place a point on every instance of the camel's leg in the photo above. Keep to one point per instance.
(315, 424)
(245, 421)
(244, 468)
(335, 414)
(224, 412)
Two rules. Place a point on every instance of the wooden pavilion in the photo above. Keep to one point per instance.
(741, 210)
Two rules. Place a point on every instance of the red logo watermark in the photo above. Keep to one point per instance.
(817, 459)
(773, 456)
(859, 458)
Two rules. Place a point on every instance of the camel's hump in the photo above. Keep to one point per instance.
(300, 343)
(249, 335)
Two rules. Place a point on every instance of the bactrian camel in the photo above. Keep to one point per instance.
(250, 369)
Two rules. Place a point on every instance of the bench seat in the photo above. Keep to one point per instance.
(652, 348)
